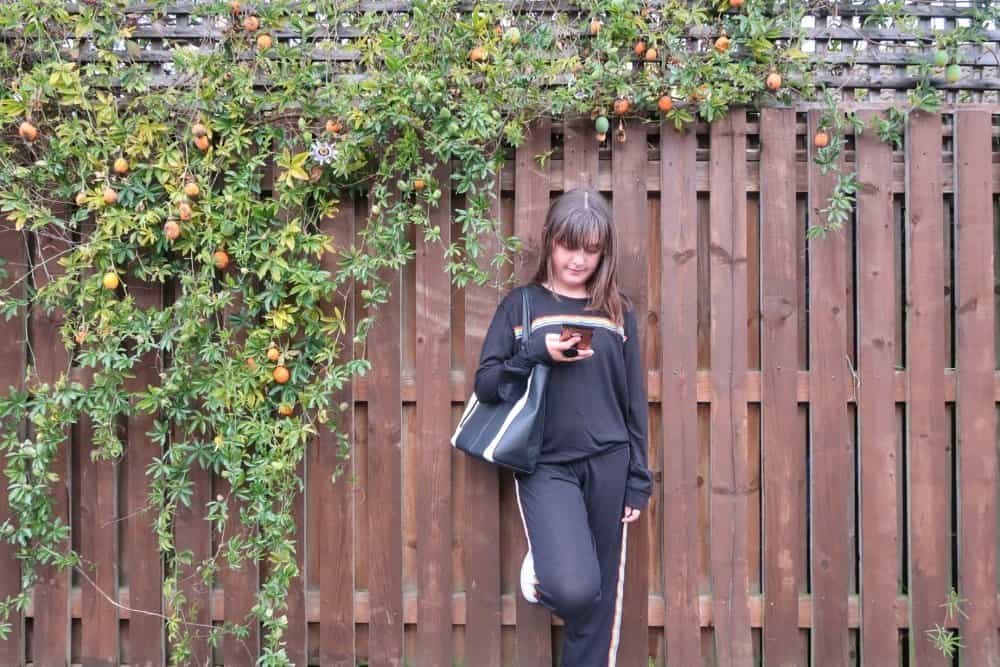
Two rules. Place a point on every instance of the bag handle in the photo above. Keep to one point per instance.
(525, 316)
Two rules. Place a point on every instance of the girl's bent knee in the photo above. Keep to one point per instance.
(574, 597)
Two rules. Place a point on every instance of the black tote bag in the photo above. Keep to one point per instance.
(508, 433)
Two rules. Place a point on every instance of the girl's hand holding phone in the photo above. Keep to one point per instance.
(557, 348)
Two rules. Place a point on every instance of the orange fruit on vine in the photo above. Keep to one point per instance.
(639, 48)
(120, 166)
(477, 54)
(621, 106)
(235, 7)
(251, 363)
(202, 143)
(285, 410)
(651, 55)
(251, 23)
(184, 211)
(821, 139)
(221, 259)
(273, 354)
(773, 81)
(192, 190)
(722, 44)
(27, 131)
(109, 195)
(595, 26)
(110, 280)
(171, 230)
(280, 374)
(735, 4)
(418, 184)
(264, 42)
(333, 126)
(665, 103)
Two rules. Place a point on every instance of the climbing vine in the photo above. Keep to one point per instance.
(139, 175)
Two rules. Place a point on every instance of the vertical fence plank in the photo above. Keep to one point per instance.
(239, 587)
(729, 476)
(580, 154)
(679, 393)
(977, 463)
(51, 623)
(531, 192)
(481, 537)
(628, 184)
(877, 308)
(193, 534)
(241, 582)
(295, 632)
(432, 449)
(13, 252)
(385, 483)
(98, 547)
(145, 571)
(829, 447)
(927, 436)
(335, 500)
(783, 452)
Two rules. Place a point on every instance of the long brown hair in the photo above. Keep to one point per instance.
(581, 217)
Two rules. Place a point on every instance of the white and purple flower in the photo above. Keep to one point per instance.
(322, 152)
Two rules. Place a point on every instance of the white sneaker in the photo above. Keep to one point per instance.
(528, 579)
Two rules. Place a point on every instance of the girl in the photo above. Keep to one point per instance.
(591, 480)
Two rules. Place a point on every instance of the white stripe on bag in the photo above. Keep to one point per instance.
(514, 412)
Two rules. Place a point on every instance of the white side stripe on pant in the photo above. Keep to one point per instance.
(517, 493)
(616, 626)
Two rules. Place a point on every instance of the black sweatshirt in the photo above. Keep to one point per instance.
(591, 405)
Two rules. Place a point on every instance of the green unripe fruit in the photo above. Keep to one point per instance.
(513, 35)
(952, 73)
(601, 124)
(940, 58)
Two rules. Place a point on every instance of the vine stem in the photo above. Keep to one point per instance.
(132, 610)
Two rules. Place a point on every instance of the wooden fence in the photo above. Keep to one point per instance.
(822, 427)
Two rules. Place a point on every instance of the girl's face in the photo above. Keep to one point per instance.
(573, 268)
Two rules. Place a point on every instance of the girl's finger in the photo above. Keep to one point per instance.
(569, 342)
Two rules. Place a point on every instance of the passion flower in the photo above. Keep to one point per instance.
(322, 152)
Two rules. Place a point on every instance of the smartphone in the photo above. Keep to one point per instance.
(586, 333)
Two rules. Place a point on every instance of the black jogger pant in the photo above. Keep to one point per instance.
(572, 514)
